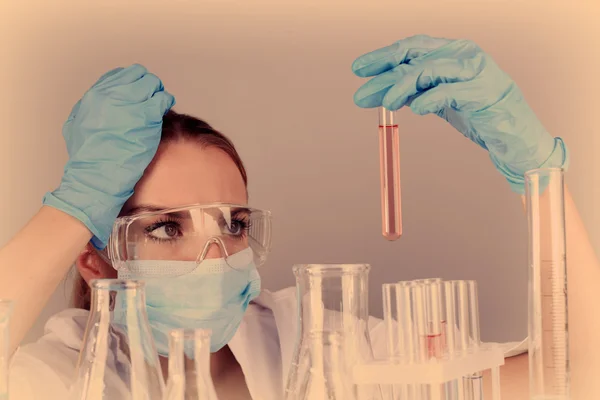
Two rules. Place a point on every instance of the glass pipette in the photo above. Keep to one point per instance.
(389, 154)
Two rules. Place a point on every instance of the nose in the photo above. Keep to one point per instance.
(214, 251)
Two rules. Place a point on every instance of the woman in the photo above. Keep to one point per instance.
(113, 137)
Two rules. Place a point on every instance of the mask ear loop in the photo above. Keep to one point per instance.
(104, 256)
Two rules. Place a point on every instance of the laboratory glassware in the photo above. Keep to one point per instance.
(433, 344)
(400, 335)
(189, 366)
(415, 325)
(118, 359)
(332, 298)
(549, 368)
(389, 157)
(6, 310)
(327, 378)
(467, 334)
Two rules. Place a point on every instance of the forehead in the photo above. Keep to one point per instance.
(184, 172)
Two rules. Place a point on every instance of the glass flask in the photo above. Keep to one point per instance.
(118, 359)
(6, 309)
(327, 377)
(332, 306)
(189, 366)
(549, 361)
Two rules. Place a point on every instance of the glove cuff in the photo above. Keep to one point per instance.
(101, 231)
(559, 158)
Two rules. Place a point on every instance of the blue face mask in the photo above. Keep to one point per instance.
(214, 296)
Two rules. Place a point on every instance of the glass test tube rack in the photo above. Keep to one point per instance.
(433, 345)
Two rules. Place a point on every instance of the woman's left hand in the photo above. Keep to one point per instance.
(456, 80)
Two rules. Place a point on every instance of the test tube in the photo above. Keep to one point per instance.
(423, 392)
(434, 318)
(392, 312)
(389, 155)
(450, 317)
(474, 386)
(449, 335)
(549, 370)
(466, 315)
(399, 335)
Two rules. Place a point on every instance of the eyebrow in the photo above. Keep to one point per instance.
(240, 210)
(143, 208)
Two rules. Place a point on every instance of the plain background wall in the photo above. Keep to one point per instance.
(275, 76)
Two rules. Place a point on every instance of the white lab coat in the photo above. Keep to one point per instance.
(263, 346)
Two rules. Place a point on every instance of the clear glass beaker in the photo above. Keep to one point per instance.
(189, 366)
(332, 298)
(6, 310)
(118, 359)
(549, 370)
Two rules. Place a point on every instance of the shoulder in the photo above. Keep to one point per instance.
(48, 364)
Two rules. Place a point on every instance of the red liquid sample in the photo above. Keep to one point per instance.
(389, 154)
(434, 346)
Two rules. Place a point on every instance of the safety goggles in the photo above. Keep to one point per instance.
(186, 236)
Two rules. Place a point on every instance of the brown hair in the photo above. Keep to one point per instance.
(175, 127)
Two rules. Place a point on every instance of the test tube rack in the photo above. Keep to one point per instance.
(433, 343)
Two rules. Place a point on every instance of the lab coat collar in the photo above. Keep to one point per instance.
(284, 307)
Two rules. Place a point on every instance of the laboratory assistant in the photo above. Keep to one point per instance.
(131, 155)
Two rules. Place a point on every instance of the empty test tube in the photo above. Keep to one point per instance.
(476, 380)
(449, 335)
(399, 333)
(392, 314)
(467, 318)
(389, 155)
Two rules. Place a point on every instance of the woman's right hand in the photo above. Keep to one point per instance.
(112, 134)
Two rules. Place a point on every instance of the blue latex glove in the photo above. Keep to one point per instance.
(112, 134)
(456, 80)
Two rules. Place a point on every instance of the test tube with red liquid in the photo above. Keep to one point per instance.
(389, 154)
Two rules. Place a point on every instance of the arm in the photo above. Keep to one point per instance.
(112, 134)
(483, 103)
(34, 262)
(583, 269)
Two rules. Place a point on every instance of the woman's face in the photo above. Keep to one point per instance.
(180, 174)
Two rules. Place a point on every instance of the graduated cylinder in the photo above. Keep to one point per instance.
(549, 371)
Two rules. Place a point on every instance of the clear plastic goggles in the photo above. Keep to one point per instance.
(191, 233)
